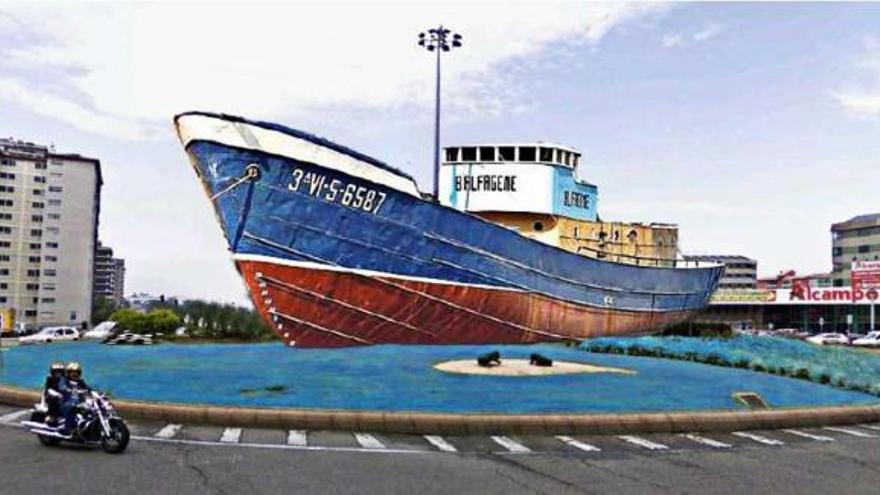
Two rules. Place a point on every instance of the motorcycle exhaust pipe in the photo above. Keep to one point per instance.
(47, 433)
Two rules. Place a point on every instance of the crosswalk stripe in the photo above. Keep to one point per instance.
(871, 427)
(707, 441)
(758, 438)
(811, 436)
(510, 445)
(855, 433)
(13, 417)
(169, 431)
(578, 444)
(440, 443)
(231, 435)
(297, 437)
(643, 442)
(368, 441)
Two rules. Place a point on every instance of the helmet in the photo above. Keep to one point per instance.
(73, 367)
(56, 367)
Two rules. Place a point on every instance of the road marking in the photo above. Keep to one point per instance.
(231, 435)
(511, 445)
(758, 438)
(277, 446)
(168, 432)
(811, 436)
(871, 427)
(855, 433)
(297, 437)
(13, 417)
(643, 442)
(578, 444)
(707, 441)
(368, 441)
(440, 443)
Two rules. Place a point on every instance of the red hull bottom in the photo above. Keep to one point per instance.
(324, 308)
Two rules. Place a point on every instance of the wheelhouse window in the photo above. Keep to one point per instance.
(451, 154)
(527, 154)
(507, 154)
(469, 154)
(487, 153)
(546, 155)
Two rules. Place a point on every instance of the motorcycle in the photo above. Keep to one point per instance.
(97, 423)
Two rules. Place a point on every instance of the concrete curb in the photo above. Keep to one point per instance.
(465, 424)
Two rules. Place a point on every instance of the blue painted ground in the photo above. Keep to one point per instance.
(397, 378)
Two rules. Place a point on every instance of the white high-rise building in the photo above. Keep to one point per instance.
(49, 204)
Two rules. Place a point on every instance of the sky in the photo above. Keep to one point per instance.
(751, 126)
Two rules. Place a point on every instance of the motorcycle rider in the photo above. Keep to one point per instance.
(51, 395)
(72, 386)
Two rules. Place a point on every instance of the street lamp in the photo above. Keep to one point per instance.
(438, 40)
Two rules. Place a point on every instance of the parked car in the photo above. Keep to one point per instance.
(829, 338)
(51, 334)
(101, 331)
(872, 339)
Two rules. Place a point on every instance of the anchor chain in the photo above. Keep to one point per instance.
(251, 172)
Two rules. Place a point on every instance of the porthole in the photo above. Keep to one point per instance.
(538, 226)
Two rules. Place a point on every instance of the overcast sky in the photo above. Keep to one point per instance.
(751, 126)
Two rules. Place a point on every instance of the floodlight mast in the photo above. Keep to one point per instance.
(438, 40)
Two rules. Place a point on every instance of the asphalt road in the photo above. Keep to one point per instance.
(844, 464)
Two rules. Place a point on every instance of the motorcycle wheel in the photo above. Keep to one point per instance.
(48, 441)
(117, 441)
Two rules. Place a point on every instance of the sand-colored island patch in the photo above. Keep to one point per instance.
(521, 367)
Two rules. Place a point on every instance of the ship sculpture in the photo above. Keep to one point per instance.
(339, 249)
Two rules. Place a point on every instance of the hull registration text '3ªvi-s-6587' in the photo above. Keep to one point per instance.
(337, 191)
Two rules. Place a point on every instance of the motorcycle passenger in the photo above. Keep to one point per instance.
(72, 386)
(52, 396)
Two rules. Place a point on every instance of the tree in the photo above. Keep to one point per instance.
(102, 308)
(163, 320)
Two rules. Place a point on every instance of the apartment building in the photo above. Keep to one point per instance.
(109, 275)
(49, 205)
(740, 272)
(857, 239)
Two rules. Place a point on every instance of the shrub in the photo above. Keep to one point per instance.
(802, 373)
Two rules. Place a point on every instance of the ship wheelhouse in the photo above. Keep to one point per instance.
(538, 190)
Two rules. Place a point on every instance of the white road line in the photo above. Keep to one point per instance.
(440, 443)
(368, 441)
(811, 436)
(643, 442)
(710, 442)
(231, 435)
(578, 444)
(297, 437)
(871, 427)
(274, 446)
(511, 445)
(758, 438)
(855, 433)
(13, 417)
(168, 432)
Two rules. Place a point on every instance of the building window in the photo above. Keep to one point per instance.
(49, 272)
(35, 246)
(48, 300)
(52, 258)
(32, 286)
(5, 216)
(34, 259)
(4, 271)
(864, 248)
(54, 202)
(36, 232)
(36, 204)
(49, 287)
(73, 316)
(36, 218)
(30, 313)
(53, 245)
(5, 244)
(54, 216)
(8, 189)
(4, 286)
(5, 257)
(52, 230)
(33, 273)
(39, 179)
(38, 192)
(6, 202)
(40, 165)
(7, 163)
(7, 175)
(5, 230)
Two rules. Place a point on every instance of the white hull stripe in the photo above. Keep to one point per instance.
(253, 137)
(311, 265)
